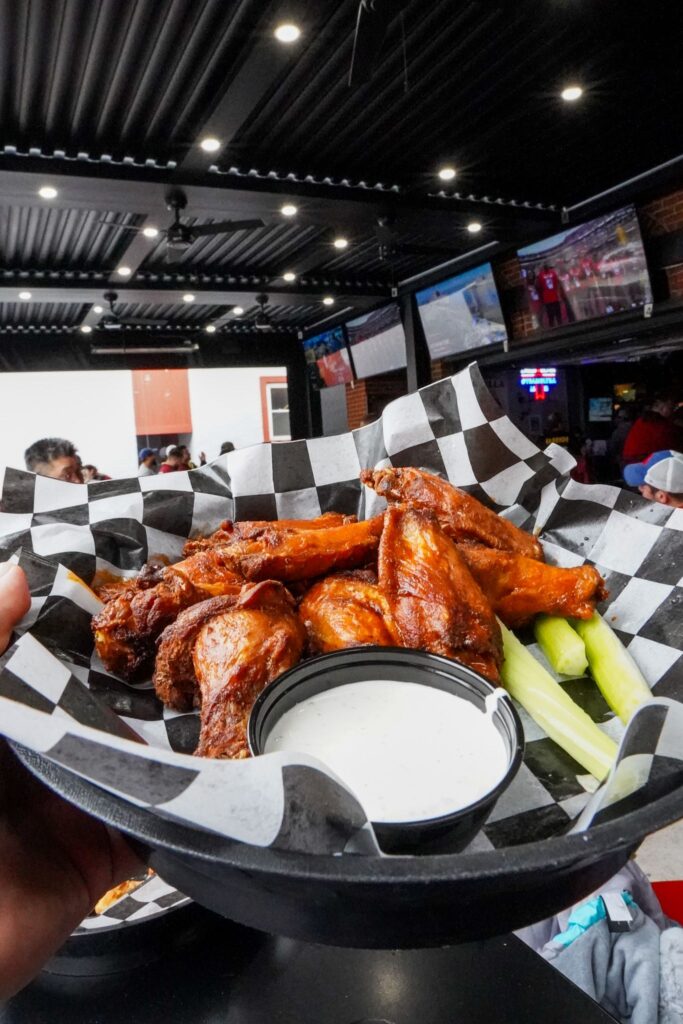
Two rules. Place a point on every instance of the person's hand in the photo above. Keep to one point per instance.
(55, 861)
(202, 458)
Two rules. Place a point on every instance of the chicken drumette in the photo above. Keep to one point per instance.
(463, 518)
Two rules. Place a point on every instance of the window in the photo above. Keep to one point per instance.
(275, 403)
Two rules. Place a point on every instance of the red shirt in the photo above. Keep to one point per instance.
(165, 468)
(587, 267)
(549, 286)
(654, 434)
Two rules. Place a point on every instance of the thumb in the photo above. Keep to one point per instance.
(15, 600)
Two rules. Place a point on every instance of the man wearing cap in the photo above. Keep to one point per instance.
(173, 460)
(147, 462)
(658, 478)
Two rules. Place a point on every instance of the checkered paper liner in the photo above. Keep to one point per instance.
(56, 697)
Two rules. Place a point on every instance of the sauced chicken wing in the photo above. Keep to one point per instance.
(518, 587)
(126, 629)
(229, 532)
(235, 655)
(347, 609)
(174, 678)
(462, 517)
(305, 554)
(435, 602)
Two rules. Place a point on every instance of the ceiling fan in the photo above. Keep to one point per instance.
(179, 236)
(113, 321)
(262, 321)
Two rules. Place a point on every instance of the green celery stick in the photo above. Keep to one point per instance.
(565, 722)
(618, 677)
(562, 646)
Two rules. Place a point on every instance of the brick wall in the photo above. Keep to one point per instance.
(356, 403)
(661, 217)
(510, 283)
(367, 398)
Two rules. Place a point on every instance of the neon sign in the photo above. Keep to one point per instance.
(539, 380)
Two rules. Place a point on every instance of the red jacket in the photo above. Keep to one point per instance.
(648, 435)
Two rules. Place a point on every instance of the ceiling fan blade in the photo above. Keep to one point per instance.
(226, 227)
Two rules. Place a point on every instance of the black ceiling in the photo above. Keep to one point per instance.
(107, 100)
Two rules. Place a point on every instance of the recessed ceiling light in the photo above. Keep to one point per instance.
(124, 271)
(86, 329)
(474, 227)
(237, 310)
(287, 32)
(24, 295)
(289, 275)
(328, 301)
(150, 232)
(340, 243)
(210, 144)
(447, 173)
(188, 297)
(98, 309)
(210, 328)
(289, 210)
(47, 192)
(571, 93)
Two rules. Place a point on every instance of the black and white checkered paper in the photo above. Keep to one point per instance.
(56, 697)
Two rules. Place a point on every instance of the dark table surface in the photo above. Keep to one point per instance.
(232, 975)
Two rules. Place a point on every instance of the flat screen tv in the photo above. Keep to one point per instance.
(378, 342)
(462, 313)
(592, 270)
(600, 410)
(327, 359)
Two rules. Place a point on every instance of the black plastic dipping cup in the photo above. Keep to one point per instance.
(447, 833)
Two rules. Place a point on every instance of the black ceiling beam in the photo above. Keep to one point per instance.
(128, 187)
(170, 294)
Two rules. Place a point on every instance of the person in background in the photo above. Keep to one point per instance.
(623, 421)
(173, 460)
(653, 431)
(658, 478)
(227, 447)
(55, 457)
(548, 285)
(187, 462)
(91, 473)
(147, 462)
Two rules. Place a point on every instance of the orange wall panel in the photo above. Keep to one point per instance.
(162, 402)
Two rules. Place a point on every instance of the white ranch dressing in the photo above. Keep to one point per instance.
(409, 752)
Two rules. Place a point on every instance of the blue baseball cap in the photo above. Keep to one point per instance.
(663, 470)
(145, 453)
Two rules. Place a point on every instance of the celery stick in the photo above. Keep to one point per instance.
(528, 682)
(562, 646)
(618, 677)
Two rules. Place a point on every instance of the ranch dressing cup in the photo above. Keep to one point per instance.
(425, 743)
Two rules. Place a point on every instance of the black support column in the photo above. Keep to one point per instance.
(418, 368)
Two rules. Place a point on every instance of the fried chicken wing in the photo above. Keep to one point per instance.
(347, 610)
(435, 602)
(519, 588)
(235, 655)
(305, 554)
(174, 677)
(229, 532)
(126, 629)
(462, 517)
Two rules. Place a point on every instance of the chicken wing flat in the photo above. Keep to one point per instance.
(462, 517)
(304, 554)
(519, 588)
(347, 610)
(235, 655)
(229, 532)
(126, 629)
(174, 677)
(435, 602)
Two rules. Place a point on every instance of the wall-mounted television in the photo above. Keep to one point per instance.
(378, 341)
(462, 313)
(592, 270)
(327, 359)
(600, 410)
